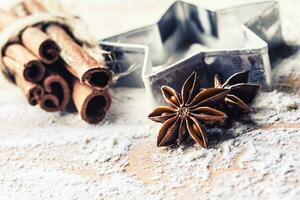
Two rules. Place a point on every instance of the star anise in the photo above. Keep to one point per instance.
(241, 92)
(187, 111)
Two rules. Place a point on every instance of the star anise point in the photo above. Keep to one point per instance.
(241, 93)
(187, 111)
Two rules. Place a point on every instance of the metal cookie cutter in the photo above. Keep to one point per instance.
(126, 61)
(190, 38)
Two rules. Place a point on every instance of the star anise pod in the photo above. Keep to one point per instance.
(241, 93)
(187, 111)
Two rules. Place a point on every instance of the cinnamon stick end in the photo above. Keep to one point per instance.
(50, 103)
(34, 71)
(35, 95)
(98, 78)
(59, 88)
(49, 51)
(95, 108)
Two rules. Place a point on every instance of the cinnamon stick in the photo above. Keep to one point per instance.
(40, 45)
(80, 63)
(32, 91)
(58, 93)
(34, 39)
(30, 7)
(33, 6)
(50, 103)
(19, 10)
(34, 70)
(90, 103)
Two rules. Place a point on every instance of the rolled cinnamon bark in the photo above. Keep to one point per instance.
(29, 7)
(32, 91)
(19, 10)
(33, 39)
(58, 93)
(50, 103)
(79, 62)
(40, 45)
(91, 104)
(34, 70)
(33, 6)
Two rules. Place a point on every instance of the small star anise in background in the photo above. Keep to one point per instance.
(186, 112)
(241, 93)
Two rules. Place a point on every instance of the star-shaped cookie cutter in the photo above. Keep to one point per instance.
(190, 38)
(126, 61)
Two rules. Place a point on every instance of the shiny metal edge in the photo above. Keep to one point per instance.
(126, 61)
(261, 28)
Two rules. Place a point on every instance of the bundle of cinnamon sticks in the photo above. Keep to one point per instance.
(52, 68)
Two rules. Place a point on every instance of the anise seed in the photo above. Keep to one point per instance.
(164, 114)
(195, 127)
(174, 99)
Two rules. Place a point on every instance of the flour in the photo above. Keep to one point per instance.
(57, 156)
(276, 100)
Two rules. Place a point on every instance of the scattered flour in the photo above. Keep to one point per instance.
(57, 156)
(276, 100)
